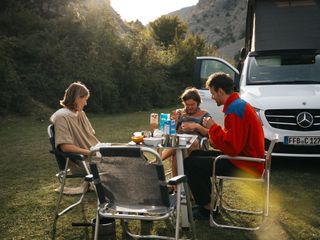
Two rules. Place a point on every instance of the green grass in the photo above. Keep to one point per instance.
(27, 197)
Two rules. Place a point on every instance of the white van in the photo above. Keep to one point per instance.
(280, 76)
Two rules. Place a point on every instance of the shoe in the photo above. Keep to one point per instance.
(200, 213)
(74, 190)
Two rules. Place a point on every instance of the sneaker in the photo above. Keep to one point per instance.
(200, 213)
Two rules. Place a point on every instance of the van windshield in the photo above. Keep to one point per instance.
(284, 69)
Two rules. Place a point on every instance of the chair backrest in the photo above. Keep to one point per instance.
(129, 179)
(61, 160)
(51, 136)
(270, 149)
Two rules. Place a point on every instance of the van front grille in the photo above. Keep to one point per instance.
(294, 119)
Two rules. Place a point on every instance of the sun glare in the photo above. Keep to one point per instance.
(148, 10)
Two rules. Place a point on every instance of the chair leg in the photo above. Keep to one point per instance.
(96, 227)
(267, 196)
(125, 231)
(216, 186)
(178, 209)
(220, 194)
(218, 205)
(57, 214)
(189, 207)
(63, 181)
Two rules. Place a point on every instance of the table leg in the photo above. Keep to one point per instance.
(184, 211)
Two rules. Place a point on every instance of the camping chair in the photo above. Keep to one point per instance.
(219, 203)
(130, 184)
(63, 160)
(204, 144)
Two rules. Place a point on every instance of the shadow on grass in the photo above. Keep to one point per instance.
(295, 192)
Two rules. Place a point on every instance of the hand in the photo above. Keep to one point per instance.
(175, 115)
(189, 126)
(208, 122)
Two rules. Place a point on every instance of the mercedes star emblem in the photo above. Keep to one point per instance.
(304, 119)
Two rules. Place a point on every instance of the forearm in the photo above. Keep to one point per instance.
(228, 141)
(202, 130)
(194, 127)
(74, 149)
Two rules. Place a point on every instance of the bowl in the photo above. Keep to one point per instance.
(137, 139)
(183, 141)
(186, 136)
(152, 141)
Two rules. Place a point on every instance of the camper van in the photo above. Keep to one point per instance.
(278, 73)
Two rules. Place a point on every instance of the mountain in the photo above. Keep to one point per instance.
(221, 22)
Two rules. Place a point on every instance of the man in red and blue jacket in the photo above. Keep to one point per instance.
(242, 135)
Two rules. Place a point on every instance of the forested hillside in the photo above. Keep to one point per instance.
(45, 45)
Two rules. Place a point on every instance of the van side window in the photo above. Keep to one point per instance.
(209, 67)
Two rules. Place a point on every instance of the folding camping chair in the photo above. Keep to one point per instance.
(219, 203)
(130, 184)
(63, 160)
(204, 144)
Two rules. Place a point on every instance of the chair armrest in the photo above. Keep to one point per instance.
(72, 156)
(88, 178)
(239, 158)
(178, 180)
(204, 144)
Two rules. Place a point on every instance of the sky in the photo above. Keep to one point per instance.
(148, 10)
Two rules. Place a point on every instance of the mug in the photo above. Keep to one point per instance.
(174, 139)
(165, 141)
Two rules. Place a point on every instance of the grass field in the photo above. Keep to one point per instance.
(27, 197)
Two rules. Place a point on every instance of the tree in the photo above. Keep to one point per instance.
(166, 30)
(183, 56)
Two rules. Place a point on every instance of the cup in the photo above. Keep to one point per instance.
(146, 133)
(154, 121)
(157, 133)
(174, 139)
(165, 140)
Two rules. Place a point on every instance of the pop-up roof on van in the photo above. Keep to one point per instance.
(295, 24)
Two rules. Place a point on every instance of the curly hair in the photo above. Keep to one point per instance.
(220, 80)
(191, 93)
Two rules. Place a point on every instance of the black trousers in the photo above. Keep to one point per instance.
(198, 168)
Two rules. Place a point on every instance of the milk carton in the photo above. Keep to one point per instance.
(163, 118)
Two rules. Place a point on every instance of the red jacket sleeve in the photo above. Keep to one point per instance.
(232, 139)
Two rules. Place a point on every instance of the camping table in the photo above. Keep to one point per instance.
(181, 151)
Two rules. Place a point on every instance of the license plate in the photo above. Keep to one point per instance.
(301, 140)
